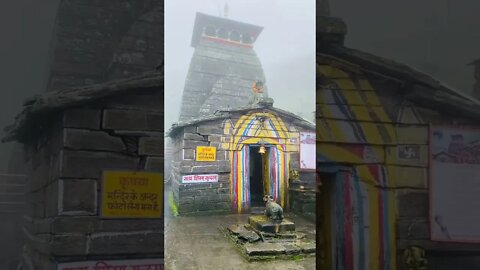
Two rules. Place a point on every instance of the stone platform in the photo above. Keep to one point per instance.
(264, 224)
(258, 240)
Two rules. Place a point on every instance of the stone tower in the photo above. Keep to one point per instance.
(223, 68)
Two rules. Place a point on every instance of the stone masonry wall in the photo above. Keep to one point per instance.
(411, 182)
(95, 41)
(62, 221)
(204, 198)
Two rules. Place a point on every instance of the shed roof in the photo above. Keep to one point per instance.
(41, 106)
(224, 114)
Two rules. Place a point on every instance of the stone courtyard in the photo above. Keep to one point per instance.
(195, 242)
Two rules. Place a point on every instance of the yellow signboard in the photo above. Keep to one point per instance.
(206, 153)
(132, 194)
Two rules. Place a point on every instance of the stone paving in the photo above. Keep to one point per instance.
(195, 243)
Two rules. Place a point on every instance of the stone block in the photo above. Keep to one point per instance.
(188, 154)
(193, 137)
(132, 120)
(129, 225)
(125, 243)
(409, 134)
(413, 229)
(78, 196)
(151, 146)
(88, 164)
(68, 245)
(264, 224)
(215, 138)
(82, 118)
(138, 133)
(92, 140)
(262, 249)
(190, 129)
(149, 99)
(155, 164)
(52, 193)
(411, 204)
(407, 177)
(75, 225)
(189, 167)
(193, 144)
(208, 130)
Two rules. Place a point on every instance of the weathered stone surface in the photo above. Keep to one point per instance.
(62, 224)
(236, 228)
(82, 118)
(68, 245)
(264, 224)
(193, 144)
(138, 133)
(152, 101)
(130, 225)
(51, 196)
(87, 164)
(249, 236)
(259, 249)
(132, 120)
(125, 243)
(407, 177)
(188, 154)
(306, 247)
(215, 138)
(220, 166)
(78, 196)
(92, 140)
(155, 164)
(291, 249)
(207, 130)
(151, 146)
(193, 137)
(412, 204)
(413, 229)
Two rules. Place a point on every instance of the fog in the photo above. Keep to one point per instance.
(286, 48)
(437, 36)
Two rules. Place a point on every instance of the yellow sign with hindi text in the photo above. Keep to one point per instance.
(132, 194)
(206, 153)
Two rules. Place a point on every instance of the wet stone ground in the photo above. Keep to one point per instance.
(260, 240)
(197, 243)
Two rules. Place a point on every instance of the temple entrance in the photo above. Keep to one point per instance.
(257, 177)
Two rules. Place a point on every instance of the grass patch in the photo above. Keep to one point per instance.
(172, 204)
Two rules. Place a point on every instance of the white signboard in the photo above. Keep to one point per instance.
(144, 264)
(307, 151)
(202, 178)
(455, 184)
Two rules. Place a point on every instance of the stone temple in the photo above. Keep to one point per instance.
(223, 67)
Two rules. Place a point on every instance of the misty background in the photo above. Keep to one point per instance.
(285, 47)
(436, 36)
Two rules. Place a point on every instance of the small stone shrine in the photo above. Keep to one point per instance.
(265, 237)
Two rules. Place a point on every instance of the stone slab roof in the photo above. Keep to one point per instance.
(224, 114)
(41, 106)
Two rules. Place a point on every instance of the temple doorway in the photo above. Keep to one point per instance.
(257, 177)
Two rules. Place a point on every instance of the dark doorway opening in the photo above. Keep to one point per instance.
(256, 177)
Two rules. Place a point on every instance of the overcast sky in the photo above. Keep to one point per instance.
(286, 48)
